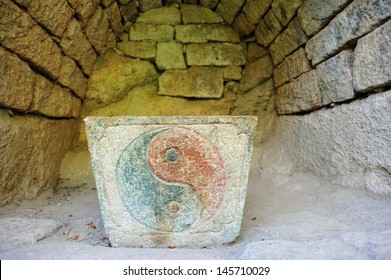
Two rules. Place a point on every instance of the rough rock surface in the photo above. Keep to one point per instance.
(158, 33)
(268, 29)
(195, 33)
(228, 9)
(169, 55)
(256, 72)
(163, 15)
(192, 14)
(285, 10)
(216, 54)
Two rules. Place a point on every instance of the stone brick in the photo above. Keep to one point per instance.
(193, 14)
(255, 51)
(72, 77)
(335, 78)
(84, 8)
(169, 55)
(292, 67)
(138, 49)
(188, 178)
(32, 162)
(217, 54)
(287, 42)
(20, 33)
(163, 15)
(53, 14)
(16, 82)
(97, 30)
(129, 12)
(75, 44)
(256, 72)
(356, 20)
(255, 9)
(285, 10)
(229, 9)
(107, 3)
(194, 33)
(115, 20)
(199, 82)
(232, 73)
(300, 95)
(268, 29)
(211, 4)
(159, 33)
(242, 25)
(372, 57)
(315, 14)
(145, 5)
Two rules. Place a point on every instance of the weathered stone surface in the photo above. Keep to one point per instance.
(84, 8)
(255, 51)
(232, 73)
(20, 33)
(200, 82)
(72, 77)
(300, 95)
(193, 14)
(107, 3)
(288, 41)
(31, 163)
(315, 14)
(163, 15)
(292, 67)
(145, 5)
(255, 100)
(114, 17)
(356, 20)
(255, 9)
(372, 56)
(217, 54)
(256, 72)
(228, 9)
(50, 99)
(186, 189)
(268, 29)
(209, 3)
(335, 77)
(169, 55)
(114, 75)
(159, 33)
(243, 25)
(138, 49)
(75, 44)
(16, 82)
(285, 10)
(53, 14)
(129, 12)
(97, 30)
(195, 33)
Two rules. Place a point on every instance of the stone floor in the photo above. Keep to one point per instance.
(286, 217)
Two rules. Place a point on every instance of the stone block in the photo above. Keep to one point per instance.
(97, 30)
(255, 51)
(171, 181)
(145, 5)
(193, 14)
(372, 57)
(129, 12)
(158, 33)
(74, 43)
(106, 3)
(287, 42)
(232, 73)
(292, 67)
(115, 19)
(356, 20)
(335, 77)
(169, 55)
(285, 10)
(203, 33)
(268, 29)
(315, 14)
(162, 15)
(199, 82)
(255, 10)
(138, 49)
(32, 162)
(22, 35)
(72, 77)
(215, 54)
(228, 9)
(256, 72)
(84, 8)
(211, 4)
(53, 14)
(301, 95)
(242, 25)
(16, 82)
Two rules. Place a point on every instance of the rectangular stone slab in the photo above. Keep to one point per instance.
(171, 181)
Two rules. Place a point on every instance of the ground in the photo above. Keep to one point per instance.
(292, 216)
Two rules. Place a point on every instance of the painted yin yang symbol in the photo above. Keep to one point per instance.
(170, 179)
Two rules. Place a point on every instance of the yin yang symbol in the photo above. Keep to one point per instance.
(171, 179)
